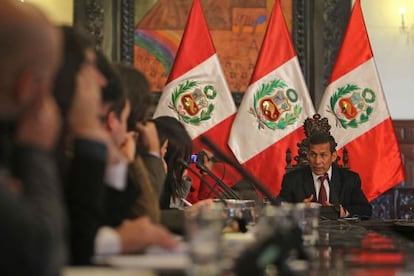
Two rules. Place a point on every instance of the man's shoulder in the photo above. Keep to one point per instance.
(346, 172)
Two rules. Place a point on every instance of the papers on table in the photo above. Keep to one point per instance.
(102, 271)
(158, 258)
(155, 258)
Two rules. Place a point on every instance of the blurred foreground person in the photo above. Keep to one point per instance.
(88, 153)
(84, 144)
(31, 211)
(147, 168)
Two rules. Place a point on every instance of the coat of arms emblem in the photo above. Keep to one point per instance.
(274, 105)
(192, 102)
(351, 105)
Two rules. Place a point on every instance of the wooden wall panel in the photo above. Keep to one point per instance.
(407, 151)
(398, 202)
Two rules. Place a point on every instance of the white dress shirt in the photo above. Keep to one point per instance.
(317, 184)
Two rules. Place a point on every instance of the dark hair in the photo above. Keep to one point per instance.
(322, 138)
(75, 44)
(113, 93)
(137, 89)
(179, 147)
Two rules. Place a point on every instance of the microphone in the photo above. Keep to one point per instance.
(226, 189)
(205, 182)
(198, 160)
(214, 159)
(199, 157)
(240, 169)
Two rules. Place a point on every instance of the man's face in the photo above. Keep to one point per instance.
(34, 81)
(320, 158)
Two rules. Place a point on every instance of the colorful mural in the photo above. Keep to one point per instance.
(236, 26)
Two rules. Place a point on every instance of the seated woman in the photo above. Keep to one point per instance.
(176, 144)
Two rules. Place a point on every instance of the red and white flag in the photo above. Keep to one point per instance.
(356, 108)
(197, 92)
(273, 109)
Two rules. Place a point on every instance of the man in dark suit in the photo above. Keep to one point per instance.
(340, 187)
(31, 210)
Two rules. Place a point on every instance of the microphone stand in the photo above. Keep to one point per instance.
(205, 182)
(226, 189)
(240, 169)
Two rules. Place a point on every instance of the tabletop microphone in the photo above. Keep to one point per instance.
(273, 200)
(205, 182)
(199, 157)
(226, 189)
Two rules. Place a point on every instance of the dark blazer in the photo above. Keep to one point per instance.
(345, 189)
(155, 168)
(31, 222)
(85, 197)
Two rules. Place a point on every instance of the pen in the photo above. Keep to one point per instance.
(186, 202)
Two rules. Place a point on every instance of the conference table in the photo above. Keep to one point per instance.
(370, 247)
(342, 247)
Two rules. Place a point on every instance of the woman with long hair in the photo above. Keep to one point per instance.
(176, 145)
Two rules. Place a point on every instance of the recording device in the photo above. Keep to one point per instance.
(196, 158)
(199, 157)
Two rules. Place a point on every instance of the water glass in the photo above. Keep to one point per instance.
(204, 227)
(306, 216)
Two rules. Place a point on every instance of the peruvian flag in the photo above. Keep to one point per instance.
(356, 108)
(197, 93)
(273, 109)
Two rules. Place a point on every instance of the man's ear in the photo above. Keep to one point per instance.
(334, 156)
(111, 120)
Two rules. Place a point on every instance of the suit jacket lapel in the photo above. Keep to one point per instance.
(308, 185)
(334, 186)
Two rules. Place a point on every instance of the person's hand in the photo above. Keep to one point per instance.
(86, 107)
(14, 184)
(342, 211)
(136, 235)
(84, 118)
(128, 147)
(194, 208)
(40, 125)
(309, 199)
(148, 137)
